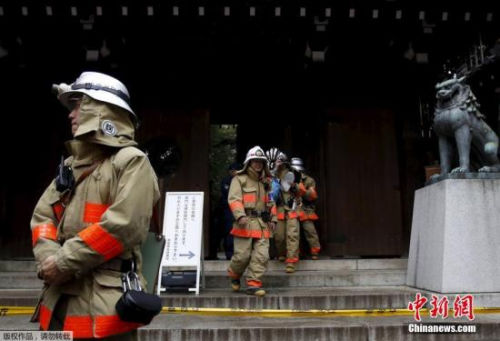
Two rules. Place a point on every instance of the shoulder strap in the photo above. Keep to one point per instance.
(66, 198)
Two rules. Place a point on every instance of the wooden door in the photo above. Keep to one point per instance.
(360, 184)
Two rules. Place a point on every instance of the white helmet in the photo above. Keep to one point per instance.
(100, 87)
(282, 157)
(255, 153)
(297, 164)
(273, 156)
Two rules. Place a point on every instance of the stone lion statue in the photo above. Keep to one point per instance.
(457, 118)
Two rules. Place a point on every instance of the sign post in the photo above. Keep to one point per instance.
(182, 229)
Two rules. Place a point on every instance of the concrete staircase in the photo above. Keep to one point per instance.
(324, 284)
(320, 273)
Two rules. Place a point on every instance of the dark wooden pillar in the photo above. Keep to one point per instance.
(190, 131)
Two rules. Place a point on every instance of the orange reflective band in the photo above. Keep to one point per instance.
(265, 199)
(45, 315)
(111, 325)
(302, 189)
(315, 250)
(291, 215)
(236, 205)
(232, 274)
(58, 210)
(273, 210)
(313, 216)
(292, 260)
(93, 212)
(81, 326)
(254, 283)
(101, 241)
(311, 194)
(47, 231)
(244, 233)
(249, 198)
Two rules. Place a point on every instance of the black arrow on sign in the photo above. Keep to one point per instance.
(190, 254)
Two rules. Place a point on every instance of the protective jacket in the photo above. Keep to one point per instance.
(284, 204)
(307, 214)
(104, 223)
(249, 196)
(308, 194)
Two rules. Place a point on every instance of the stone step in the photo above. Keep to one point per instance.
(324, 264)
(221, 265)
(385, 297)
(298, 298)
(19, 280)
(180, 327)
(333, 278)
(272, 279)
(320, 273)
(17, 265)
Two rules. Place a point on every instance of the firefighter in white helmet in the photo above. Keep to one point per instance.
(254, 215)
(98, 86)
(90, 223)
(307, 214)
(286, 236)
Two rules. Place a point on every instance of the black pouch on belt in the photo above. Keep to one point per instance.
(266, 216)
(135, 305)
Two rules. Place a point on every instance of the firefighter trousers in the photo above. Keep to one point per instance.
(311, 236)
(287, 237)
(251, 254)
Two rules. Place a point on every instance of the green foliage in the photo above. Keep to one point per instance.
(222, 154)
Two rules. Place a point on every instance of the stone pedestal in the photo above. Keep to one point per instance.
(455, 237)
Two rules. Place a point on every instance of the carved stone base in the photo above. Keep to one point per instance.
(455, 237)
(471, 175)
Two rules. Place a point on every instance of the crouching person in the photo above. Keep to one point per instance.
(254, 215)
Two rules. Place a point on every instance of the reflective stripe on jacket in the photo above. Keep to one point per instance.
(246, 195)
(307, 191)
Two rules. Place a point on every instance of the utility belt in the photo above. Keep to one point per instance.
(264, 215)
(118, 264)
(306, 202)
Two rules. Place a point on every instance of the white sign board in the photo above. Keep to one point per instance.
(182, 229)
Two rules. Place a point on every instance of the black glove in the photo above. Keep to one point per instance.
(279, 201)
